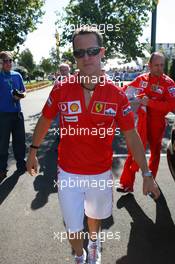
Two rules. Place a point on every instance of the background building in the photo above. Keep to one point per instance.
(167, 48)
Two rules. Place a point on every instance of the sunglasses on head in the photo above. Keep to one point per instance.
(80, 53)
(7, 60)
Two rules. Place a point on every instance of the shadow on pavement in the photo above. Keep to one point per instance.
(149, 243)
(45, 182)
(7, 186)
(47, 157)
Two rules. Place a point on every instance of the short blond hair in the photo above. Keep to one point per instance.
(5, 54)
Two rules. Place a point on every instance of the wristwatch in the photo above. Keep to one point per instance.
(147, 174)
(34, 147)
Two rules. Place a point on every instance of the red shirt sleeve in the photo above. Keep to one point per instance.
(51, 107)
(125, 116)
(135, 83)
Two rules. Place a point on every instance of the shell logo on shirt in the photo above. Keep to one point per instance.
(72, 107)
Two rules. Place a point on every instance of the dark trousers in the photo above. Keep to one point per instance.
(12, 124)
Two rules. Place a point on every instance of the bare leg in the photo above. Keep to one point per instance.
(94, 226)
(76, 241)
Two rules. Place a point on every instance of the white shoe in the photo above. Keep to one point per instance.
(81, 259)
(94, 253)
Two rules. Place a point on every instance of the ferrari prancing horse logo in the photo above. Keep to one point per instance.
(98, 107)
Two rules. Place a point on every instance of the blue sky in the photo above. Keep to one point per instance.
(42, 40)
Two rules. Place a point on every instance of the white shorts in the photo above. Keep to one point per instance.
(89, 194)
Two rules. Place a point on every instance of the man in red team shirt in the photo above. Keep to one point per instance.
(91, 106)
(159, 99)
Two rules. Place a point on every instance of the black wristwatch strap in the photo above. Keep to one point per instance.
(34, 147)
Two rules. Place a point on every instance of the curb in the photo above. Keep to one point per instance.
(37, 88)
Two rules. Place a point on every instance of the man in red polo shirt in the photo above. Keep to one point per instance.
(89, 107)
(159, 99)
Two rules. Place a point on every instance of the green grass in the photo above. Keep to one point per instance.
(39, 84)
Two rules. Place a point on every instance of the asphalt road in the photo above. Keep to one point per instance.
(140, 231)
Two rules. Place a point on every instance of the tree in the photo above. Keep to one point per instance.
(23, 71)
(166, 66)
(37, 73)
(120, 22)
(68, 56)
(55, 58)
(46, 65)
(17, 19)
(172, 69)
(26, 60)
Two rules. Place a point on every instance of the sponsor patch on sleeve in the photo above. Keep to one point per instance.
(171, 90)
(143, 84)
(49, 102)
(126, 110)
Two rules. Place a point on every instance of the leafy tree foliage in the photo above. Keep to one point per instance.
(22, 71)
(120, 22)
(55, 58)
(46, 65)
(17, 19)
(68, 56)
(26, 60)
(37, 73)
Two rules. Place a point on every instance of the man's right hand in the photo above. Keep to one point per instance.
(32, 164)
(40, 131)
(150, 187)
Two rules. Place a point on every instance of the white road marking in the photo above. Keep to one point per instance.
(125, 155)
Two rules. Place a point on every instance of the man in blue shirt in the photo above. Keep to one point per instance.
(12, 90)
